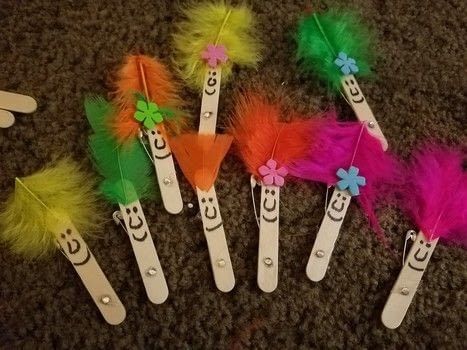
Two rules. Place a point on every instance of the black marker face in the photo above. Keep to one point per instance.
(135, 222)
(337, 207)
(209, 210)
(160, 145)
(353, 90)
(211, 83)
(74, 251)
(269, 205)
(420, 256)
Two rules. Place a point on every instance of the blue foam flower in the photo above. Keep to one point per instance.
(347, 64)
(350, 180)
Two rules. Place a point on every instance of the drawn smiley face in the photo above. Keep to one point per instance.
(211, 83)
(354, 91)
(210, 212)
(337, 206)
(269, 204)
(74, 245)
(160, 150)
(135, 223)
(420, 256)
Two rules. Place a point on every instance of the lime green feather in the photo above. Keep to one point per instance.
(127, 169)
(218, 24)
(320, 38)
(58, 193)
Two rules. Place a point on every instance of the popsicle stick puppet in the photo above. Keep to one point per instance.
(434, 196)
(346, 156)
(267, 146)
(52, 210)
(12, 102)
(336, 46)
(149, 105)
(208, 43)
(127, 173)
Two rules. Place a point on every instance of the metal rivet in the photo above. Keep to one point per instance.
(267, 261)
(319, 254)
(221, 262)
(190, 205)
(371, 125)
(151, 271)
(167, 181)
(405, 291)
(105, 299)
(207, 115)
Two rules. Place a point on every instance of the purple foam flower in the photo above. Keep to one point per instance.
(214, 54)
(271, 175)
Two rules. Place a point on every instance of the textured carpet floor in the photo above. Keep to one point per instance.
(59, 51)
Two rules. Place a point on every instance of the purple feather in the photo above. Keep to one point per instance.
(335, 147)
(435, 194)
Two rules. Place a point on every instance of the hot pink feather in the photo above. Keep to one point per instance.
(435, 193)
(334, 148)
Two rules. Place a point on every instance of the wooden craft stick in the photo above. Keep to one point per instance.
(361, 108)
(327, 235)
(145, 252)
(165, 171)
(7, 119)
(17, 102)
(268, 247)
(408, 281)
(216, 241)
(210, 101)
(76, 250)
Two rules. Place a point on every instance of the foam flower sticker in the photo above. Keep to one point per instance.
(271, 175)
(350, 180)
(347, 64)
(150, 114)
(214, 54)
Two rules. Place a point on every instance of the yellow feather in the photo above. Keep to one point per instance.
(219, 24)
(58, 193)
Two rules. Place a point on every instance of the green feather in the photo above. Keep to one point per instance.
(320, 37)
(127, 169)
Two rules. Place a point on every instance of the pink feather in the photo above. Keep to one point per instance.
(435, 194)
(334, 148)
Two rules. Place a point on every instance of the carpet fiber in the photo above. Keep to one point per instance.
(57, 51)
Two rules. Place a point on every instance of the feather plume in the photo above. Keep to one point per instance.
(321, 37)
(260, 134)
(342, 144)
(217, 24)
(200, 156)
(148, 77)
(61, 191)
(127, 169)
(435, 192)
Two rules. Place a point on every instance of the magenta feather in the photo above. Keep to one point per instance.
(335, 147)
(435, 193)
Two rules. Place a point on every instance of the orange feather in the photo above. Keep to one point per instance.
(260, 134)
(149, 77)
(200, 156)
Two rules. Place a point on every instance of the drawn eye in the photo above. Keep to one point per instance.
(214, 74)
(62, 235)
(346, 82)
(344, 198)
(158, 132)
(153, 132)
(203, 200)
(273, 192)
(421, 242)
(68, 231)
(210, 200)
(128, 211)
(266, 191)
(338, 195)
(428, 245)
(351, 81)
(135, 210)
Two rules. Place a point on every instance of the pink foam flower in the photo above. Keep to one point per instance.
(271, 175)
(214, 54)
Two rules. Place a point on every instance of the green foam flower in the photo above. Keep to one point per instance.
(148, 113)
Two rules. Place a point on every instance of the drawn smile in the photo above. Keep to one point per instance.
(140, 239)
(269, 209)
(210, 229)
(210, 217)
(328, 213)
(333, 206)
(88, 256)
(211, 82)
(135, 227)
(269, 220)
